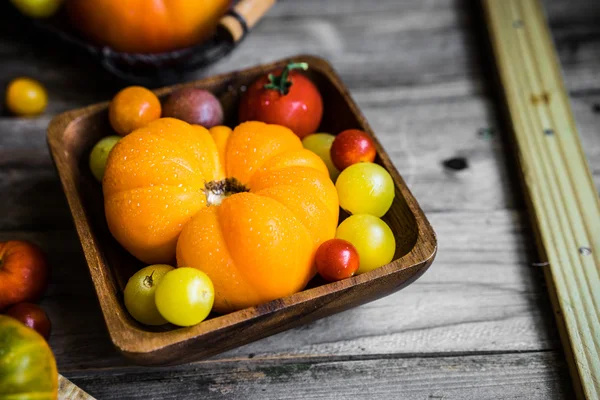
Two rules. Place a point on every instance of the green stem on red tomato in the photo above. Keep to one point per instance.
(281, 82)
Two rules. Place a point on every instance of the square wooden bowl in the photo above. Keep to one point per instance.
(71, 136)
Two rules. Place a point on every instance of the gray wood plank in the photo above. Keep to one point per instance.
(418, 137)
(481, 294)
(509, 376)
(435, 49)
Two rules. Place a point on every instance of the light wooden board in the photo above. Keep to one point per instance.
(67, 390)
(563, 199)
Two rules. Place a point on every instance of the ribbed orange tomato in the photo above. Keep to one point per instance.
(27, 365)
(146, 26)
(259, 205)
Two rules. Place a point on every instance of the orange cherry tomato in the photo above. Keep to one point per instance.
(26, 97)
(132, 108)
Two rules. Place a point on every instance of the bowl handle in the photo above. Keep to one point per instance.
(243, 16)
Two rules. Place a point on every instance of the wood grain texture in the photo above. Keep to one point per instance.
(483, 294)
(415, 69)
(419, 138)
(435, 50)
(67, 390)
(511, 376)
(562, 196)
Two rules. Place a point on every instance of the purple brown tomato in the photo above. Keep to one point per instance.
(194, 106)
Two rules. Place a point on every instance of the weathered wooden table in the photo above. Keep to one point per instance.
(477, 325)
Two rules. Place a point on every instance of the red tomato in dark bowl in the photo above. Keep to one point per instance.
(285, 97)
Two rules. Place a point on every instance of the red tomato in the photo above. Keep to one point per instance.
(285, 98)
(336, 259)
(32, 316)
(23, 272)
(350, 147)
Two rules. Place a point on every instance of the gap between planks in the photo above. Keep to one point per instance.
(560, 188)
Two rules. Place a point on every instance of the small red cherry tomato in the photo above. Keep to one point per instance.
(336, 259)
(32, 316)
(350, 147)
(285, 97)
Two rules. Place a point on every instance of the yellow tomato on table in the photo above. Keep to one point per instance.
(26, 97)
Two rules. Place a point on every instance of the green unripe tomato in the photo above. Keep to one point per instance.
(140, 292)
(99, 155)
(320, 144)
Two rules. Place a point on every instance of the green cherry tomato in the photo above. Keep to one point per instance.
(140, 291)
(99, 155)
(372, 238)
(320, 144)
(185, 296)
(38, 8)
(365, 188)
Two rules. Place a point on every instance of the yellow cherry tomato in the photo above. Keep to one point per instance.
(37, 8)
(26, 97)
(185, 296)
(373, 239)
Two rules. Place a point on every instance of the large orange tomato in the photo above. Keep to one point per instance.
(146, 26)
(27, 365)
(259, 205)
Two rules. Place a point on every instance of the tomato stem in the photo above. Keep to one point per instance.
(148, 281)
(217, 191)
(281, 82)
